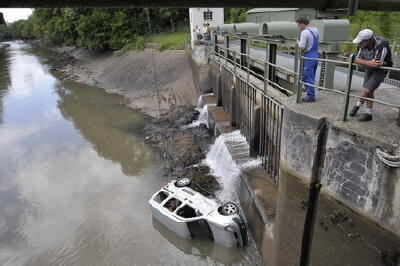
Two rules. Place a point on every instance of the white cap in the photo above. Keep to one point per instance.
(363, 35)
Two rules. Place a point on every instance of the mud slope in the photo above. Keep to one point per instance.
(132, 75)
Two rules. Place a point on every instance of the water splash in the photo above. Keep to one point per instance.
(203, 114)
(227, 157)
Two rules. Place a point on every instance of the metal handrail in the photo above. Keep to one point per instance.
(297, 73)
(347, 93)
(256, 59)
(260, 90)
(248, 70)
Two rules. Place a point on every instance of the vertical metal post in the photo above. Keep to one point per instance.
(214, 51)
(234, 61)
(329, 75)
(243, 45)
(299, 85)
(296, 68)
(226, 45)
(216, 46)
(268, 59)
(272, 59)
(348, 88)
(265, 76)
(248, 62)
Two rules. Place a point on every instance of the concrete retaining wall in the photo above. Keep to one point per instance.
(336, 203)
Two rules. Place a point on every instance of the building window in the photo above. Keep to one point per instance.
(258, 19)
(207, 15)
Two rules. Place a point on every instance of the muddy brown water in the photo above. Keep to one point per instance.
(76, 176)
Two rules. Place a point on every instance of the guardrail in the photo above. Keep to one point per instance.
(242, 65)
(244, 61)
(347, 93)
(247, 97)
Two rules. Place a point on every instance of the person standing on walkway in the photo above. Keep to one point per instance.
(373, 52)
(309, 41)
(204, 31)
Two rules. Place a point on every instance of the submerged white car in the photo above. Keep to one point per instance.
(188, 213)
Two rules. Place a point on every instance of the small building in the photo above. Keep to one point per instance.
(258, 15)
(199, 16)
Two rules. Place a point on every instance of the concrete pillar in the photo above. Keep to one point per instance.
(255, 132)
(272, 50)
(330, 72)
(219, 90)
(300, 154)
(243, 50)
(233, 115)
(334, 196)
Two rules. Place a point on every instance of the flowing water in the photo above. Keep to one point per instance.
(76, 175)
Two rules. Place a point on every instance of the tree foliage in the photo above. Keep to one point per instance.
(382, 23)
(114, 28)
(235, 15)
(111, 28)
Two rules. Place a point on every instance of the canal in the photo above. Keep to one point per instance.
(76, 175)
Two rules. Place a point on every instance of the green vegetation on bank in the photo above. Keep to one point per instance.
(111, 28)
(171, 40)
(123, 29)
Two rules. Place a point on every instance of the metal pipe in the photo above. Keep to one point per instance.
(296, 68)
(299, 86)
(234, 62)
(348, 88)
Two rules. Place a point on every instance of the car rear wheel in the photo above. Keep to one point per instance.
(182, 182)
(229, 209)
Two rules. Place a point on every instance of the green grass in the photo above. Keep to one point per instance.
(138, 44)
(170, 40)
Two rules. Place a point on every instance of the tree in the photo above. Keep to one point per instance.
(236, 15)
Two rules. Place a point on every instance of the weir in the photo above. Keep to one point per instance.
(321, 195)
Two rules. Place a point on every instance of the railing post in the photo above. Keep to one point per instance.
(243, 45)
(348, 88)
(299, 85)
(214, 51)
(268, 59)
(265, 76)
(248, 61)
(234, 61)
(296, 68)
(226, 45)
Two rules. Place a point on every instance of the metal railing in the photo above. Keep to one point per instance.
(246, 62)
(248, 94)
(347, 92)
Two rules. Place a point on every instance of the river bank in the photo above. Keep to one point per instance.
(165, 89)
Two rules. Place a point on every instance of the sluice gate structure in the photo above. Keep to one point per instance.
(323, 195)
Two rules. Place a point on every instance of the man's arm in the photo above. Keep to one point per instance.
(370, 63)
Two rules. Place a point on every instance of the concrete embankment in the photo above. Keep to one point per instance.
(335, 202)
(154, 82)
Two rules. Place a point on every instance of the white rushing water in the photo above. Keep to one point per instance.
(227, 157)
(203, 114)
